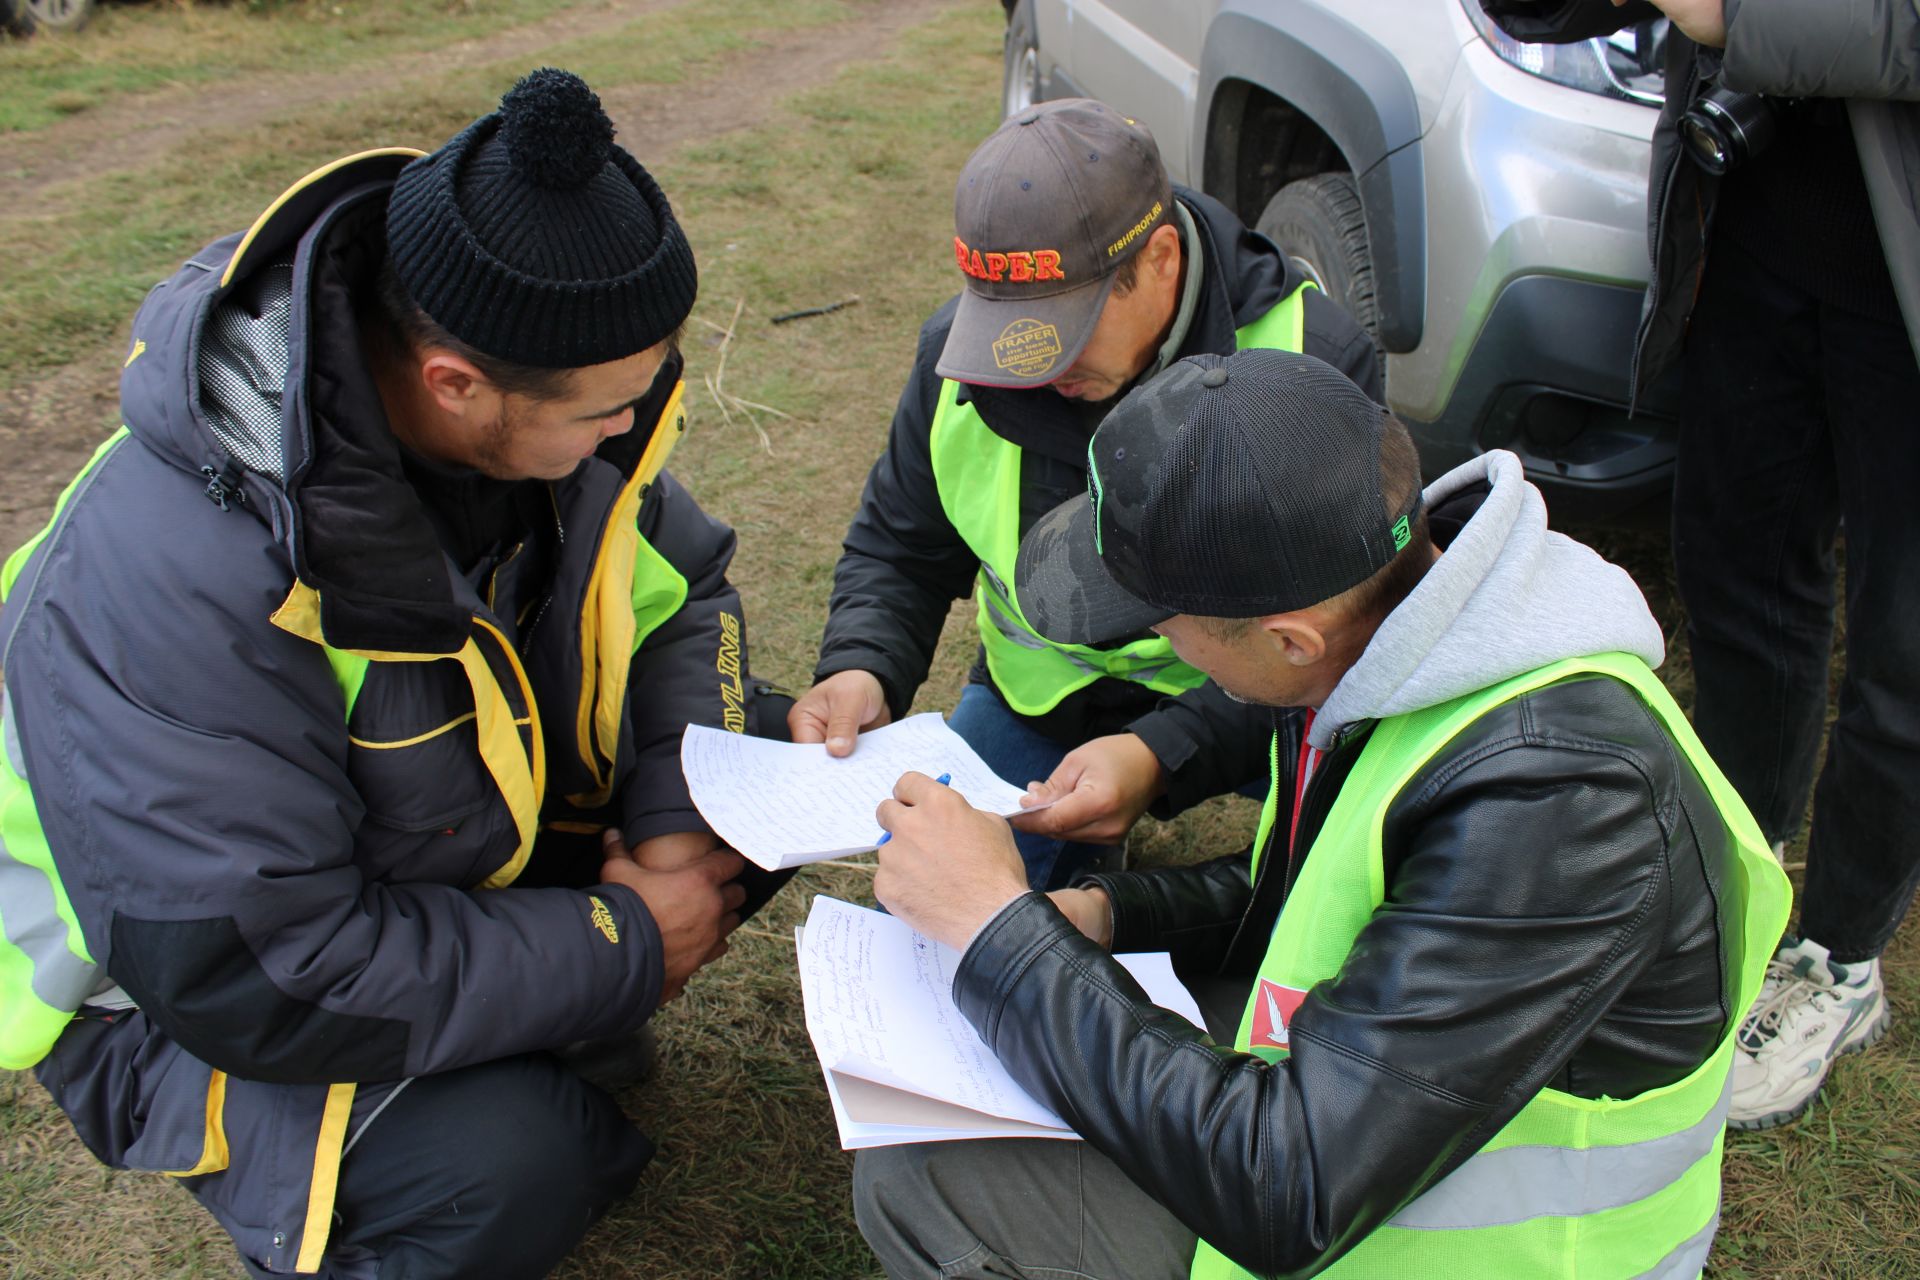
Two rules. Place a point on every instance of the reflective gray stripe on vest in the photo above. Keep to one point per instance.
(1515, 1184)
(29, 912)
(1689, 1257)
(1006, 625)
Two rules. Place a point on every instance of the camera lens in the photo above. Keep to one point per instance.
(1705, 142)
(1724, 129)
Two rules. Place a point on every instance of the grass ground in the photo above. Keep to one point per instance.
(131, 49)
(839, 186)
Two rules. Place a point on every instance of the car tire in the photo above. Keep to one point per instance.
(1020, 72)
(14, 19)
(1319, 224)
(59, 15)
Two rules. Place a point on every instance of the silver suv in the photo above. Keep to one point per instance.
(1478, 204)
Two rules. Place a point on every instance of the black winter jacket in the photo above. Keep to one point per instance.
(905, 564)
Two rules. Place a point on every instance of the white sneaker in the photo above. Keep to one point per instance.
(1810, 1011)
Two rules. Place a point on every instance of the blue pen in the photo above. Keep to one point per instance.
(885, 836)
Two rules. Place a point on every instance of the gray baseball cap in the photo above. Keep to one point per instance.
(1045, 212)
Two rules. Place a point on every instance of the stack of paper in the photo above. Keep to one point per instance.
(902, 1063)
(782, 804)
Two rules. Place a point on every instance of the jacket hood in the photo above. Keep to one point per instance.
(247, 369)
(213, 346)
(1507, 596)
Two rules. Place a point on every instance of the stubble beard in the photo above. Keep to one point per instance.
(490, 451)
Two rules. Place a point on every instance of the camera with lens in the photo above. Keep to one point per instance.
(1723, 128)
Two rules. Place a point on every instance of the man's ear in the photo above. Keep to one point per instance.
(1300, 638)
(1160, 256)
(457, 385)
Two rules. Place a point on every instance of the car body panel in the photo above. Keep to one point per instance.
(1492, 198)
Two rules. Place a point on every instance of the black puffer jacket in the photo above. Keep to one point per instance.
(1555, 911)
(905, 564)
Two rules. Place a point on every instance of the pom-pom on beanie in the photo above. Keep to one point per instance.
(533, 238)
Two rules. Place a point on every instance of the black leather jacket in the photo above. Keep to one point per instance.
(1557, 890)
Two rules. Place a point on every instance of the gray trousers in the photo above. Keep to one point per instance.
(1013, 1209)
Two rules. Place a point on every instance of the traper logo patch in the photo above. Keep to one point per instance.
(1027, 348)
(1273, 1004)
(1020, 265)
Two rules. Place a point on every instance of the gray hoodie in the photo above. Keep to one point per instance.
(1508, 596)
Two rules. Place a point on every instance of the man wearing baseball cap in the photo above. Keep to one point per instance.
(341, 816)
(1475, 985)
(1084, 273)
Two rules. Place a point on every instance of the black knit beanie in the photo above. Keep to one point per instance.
(532, 238)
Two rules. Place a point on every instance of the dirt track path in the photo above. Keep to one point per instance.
(49, 424)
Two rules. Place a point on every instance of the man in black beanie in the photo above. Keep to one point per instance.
(340, 813)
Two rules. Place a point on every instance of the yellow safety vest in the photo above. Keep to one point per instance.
(1571, 1188)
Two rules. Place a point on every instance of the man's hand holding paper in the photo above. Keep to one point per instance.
(784, 804)
(1096, 794)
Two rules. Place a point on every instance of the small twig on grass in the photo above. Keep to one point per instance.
(804, 312)
(761, 933)
(717, 383)
(852, 866)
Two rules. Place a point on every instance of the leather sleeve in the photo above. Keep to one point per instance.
(1192, 912)
(1530, 890)
(903, 564)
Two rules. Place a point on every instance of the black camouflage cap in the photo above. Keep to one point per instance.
(1046, 210)
(1228, 487)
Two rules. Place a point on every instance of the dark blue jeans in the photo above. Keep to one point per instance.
(1799, 415)
(1020, 754)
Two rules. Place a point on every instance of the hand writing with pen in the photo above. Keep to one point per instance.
(946, 868)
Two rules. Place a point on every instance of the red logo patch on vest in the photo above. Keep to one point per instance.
(1273, 1004)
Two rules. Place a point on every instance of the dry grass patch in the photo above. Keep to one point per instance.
(842, 190)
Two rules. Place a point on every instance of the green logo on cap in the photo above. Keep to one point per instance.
(1093, 488)
(1402, 535)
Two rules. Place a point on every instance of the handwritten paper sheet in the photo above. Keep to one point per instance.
(902, 1063)
(782, 803)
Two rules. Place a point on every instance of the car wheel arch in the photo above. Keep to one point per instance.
(1354, 94)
